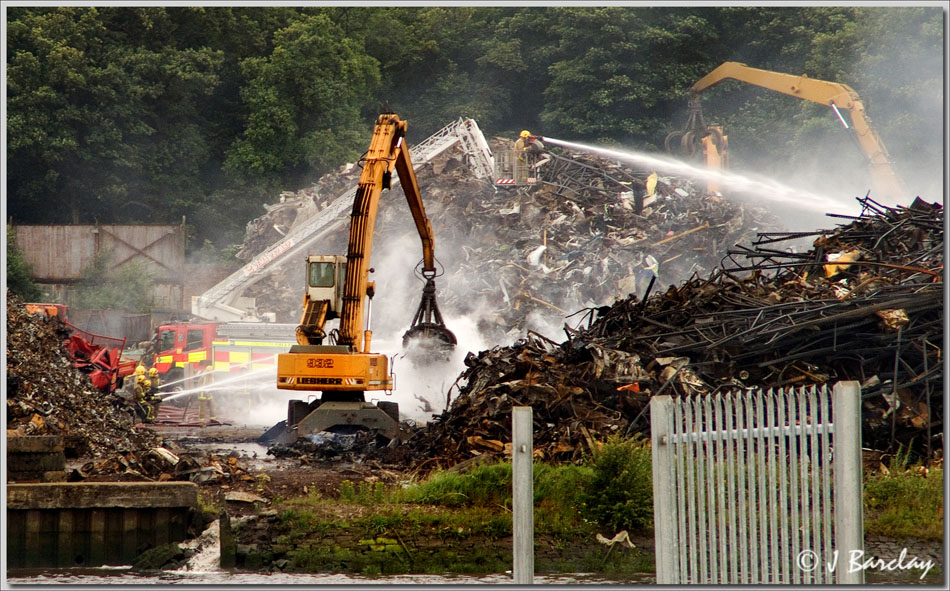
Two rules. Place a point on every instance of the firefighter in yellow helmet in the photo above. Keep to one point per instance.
(140, 394)
(156, 381)
(131, 383)
(528, 149)
(523, 141)
(149, 407)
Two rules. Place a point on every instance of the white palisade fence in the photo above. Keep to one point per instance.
(755, 487)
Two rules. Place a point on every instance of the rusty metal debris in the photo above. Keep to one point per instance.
(159, 464)
(47, 395)
(765, 318)
(584, 237)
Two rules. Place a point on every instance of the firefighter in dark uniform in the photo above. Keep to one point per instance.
(153, 394)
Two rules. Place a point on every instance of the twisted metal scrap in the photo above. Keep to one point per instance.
(764, 318)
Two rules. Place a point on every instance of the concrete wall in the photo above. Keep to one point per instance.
(93, 524)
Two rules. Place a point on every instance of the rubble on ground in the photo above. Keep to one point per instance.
(865, 303)
(356, 447)
(160, 464)
(47, 395)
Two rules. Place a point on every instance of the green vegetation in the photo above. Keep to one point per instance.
(461, 522)
(103, 285)
(621, 494)
(907, 501)
(19, 272)
(130, 114)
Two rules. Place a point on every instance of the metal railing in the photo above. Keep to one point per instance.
(755, 487)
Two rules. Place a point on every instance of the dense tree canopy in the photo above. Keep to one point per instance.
(149, 114)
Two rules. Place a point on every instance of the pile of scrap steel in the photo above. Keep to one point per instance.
(864, 303)
(593, 228)
(47, 394)
(97, 356)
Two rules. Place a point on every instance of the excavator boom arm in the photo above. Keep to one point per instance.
(407, 177)
(832, 94)
(387, 151)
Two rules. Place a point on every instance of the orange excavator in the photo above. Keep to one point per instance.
(344, 369)
(840, 97)
(698, 138)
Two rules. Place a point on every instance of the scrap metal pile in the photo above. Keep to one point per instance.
(47, 395)
(524, 258)
(864, 303)
(161, 464)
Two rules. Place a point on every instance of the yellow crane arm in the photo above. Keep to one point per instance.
(835, 95)
(387, 151)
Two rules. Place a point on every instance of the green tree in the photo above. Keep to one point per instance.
(620, 495)
(893, 57)
(621, 71)
(303, 104)
(19, 271)
(101, 109)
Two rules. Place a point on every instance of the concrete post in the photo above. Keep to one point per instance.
(849, 503)
(522, 494)
(661, 408)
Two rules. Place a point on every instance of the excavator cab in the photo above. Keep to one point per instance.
(325, 277)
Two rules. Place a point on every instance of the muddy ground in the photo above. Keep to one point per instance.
(283, 478)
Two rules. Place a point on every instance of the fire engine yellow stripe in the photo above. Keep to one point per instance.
(197, 356)
(239, 356)
(222, 366)
(164, 359)
(285, 346)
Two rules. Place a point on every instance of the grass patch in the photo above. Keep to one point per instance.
(905, 502)
(620, 496)
(487, 485)
(558, 494)
(366, 493)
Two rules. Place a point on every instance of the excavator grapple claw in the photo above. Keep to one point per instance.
(428, 329)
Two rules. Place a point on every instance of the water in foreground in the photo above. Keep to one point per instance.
(126, 577)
